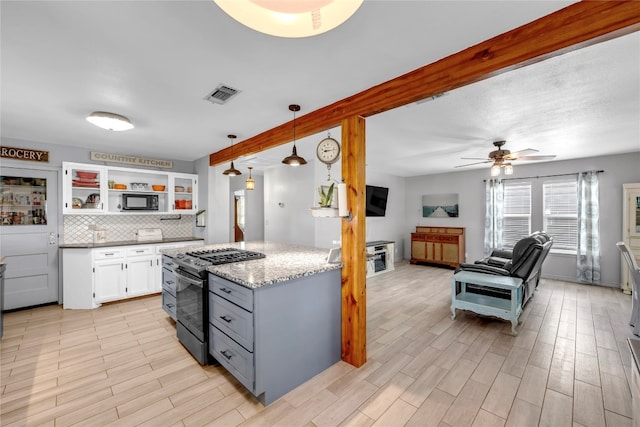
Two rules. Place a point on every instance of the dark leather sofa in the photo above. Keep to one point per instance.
(525, 262)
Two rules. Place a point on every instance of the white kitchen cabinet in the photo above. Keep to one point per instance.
(91, 276)
(183, 193)
(109, 280)
(108, 274)
(140, 271)
(84, 189)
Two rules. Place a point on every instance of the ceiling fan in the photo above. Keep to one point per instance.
(503, 158)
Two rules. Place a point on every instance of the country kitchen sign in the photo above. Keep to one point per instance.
(24, 154)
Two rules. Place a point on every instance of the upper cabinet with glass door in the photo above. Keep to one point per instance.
(84, 188)
(183, 193)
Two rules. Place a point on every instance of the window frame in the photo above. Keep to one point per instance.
(506, 216)
(548, 183)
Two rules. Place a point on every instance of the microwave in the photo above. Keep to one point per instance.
(139, 202)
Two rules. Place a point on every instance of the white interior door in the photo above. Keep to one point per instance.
(29, 236)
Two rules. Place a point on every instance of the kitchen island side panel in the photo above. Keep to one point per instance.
(297, 332)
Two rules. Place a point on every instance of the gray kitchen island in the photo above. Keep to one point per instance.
(274, 322)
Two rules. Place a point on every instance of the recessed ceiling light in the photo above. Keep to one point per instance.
(109, 121)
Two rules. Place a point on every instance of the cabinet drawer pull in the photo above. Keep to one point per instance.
(109, 254)
(226, 318)
(226, 354)
(170, 282)
(225, 290)
(169, 305)
(139, 252)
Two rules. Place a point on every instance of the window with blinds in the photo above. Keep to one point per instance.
(560, 213)
(517, 212)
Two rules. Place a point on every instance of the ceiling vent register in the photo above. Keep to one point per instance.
(221, 94)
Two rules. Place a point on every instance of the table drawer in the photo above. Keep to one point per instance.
(168, 263)
(232, 320)
(169, 304)
(230, 291)
(108, 253)
(169, 281)
(237, 360)
(141, 250)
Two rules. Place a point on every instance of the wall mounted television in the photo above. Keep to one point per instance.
(376, 204)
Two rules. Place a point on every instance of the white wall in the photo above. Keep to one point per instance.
(469, 185)
(288, 195)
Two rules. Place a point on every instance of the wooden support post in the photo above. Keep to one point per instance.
(354, 271)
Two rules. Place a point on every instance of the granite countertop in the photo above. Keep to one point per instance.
(128, 243)
(634, 344)
(282, 262)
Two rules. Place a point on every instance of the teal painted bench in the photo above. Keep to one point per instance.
(489, 295)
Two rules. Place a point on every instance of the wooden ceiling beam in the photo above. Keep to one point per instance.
(576, 26)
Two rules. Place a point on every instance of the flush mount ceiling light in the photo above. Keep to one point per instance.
(232, 171)
(290, 18)
(294, 159)
(109, 121)
(251, 183)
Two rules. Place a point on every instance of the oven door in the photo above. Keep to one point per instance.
(190, 302)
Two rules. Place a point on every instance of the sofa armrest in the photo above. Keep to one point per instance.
(483, 268)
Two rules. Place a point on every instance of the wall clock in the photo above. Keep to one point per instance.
(328, 151)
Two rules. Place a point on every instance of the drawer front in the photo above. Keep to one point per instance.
(168, 263)
(232, 320)
(237, 360)
(230, 291)
(169, 281)
(108, 253)
(169, 304)
(139, 251)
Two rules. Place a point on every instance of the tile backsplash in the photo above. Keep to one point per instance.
(78, 228)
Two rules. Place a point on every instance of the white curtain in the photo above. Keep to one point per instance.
(588, 259)
(494, 215)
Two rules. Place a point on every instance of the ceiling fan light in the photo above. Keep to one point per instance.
(250, 184)
(495, 170)
(109, 121)
(508, 169)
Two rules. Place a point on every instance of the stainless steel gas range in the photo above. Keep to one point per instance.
(192, 311)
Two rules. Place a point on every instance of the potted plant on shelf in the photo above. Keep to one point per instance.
(325, 202)
(326, 197)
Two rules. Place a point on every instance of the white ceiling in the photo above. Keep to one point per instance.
(155, 61)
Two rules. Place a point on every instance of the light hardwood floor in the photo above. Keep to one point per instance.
(122, 365)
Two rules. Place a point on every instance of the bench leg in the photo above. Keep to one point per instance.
(453, 312)
(514, 323)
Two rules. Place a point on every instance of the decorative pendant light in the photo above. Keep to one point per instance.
(251, 183)
(232, 171)
(109, 121)
(294, 159)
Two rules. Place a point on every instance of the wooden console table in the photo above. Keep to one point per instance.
(438, 245)
(499, 296)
